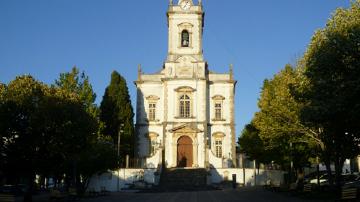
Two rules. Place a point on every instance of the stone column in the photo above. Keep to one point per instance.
(174, 154)
(195, 154)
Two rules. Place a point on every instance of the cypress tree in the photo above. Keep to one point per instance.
(117, 113)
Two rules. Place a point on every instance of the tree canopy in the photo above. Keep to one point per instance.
(117, 113)
(51, 130)
(315, 105)
(332, 90)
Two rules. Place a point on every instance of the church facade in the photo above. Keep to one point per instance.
(185, 112)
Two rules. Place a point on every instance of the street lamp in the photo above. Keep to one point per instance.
(118, 155)
(291, 163)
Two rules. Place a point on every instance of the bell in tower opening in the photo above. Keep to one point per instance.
(185, 39)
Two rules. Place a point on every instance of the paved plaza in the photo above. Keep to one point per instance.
(242, 194)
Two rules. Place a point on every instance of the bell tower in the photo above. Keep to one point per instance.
(185, 31)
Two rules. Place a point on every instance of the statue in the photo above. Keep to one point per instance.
(200, 2)
(170, 2)
(139, 72)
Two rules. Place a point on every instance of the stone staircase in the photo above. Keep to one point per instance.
(183, 179)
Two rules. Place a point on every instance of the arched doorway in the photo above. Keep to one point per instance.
(184, 152)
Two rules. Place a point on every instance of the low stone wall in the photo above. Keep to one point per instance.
(123, 178)
(262, 176)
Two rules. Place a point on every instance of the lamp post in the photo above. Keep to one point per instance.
(317, 171)
(291, 163)
(118, 155)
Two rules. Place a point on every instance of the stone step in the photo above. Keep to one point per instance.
(183, 178)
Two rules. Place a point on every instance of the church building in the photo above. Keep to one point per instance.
(185, 112)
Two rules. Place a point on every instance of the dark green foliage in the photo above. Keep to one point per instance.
(43, 129)
(79, 84)
(115, 110)
(51, 131)
(251, 144)
(99, 157)
(278, 123)
(332, 72)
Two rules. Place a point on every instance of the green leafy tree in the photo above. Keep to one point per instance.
(99, 157)
(22, 137)
(79, 84)
(42, 129)
(117, 114)
(73, 129)
(331, 93)
(278, 120)
(2, 140)
(252, 145)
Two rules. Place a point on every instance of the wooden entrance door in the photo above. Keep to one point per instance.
(184, 152)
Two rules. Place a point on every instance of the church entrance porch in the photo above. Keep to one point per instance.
(184, 146)
(184, 152)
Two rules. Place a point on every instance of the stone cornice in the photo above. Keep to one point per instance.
(186, 79)
(185, 128)
(222, 81)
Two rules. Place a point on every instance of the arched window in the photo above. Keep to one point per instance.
(185, 38)
(184, 106)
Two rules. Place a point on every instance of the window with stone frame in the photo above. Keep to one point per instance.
(152, 147)
(184, 101)
(218, 110)
(218, 148)
(152, 105)
(217, 139)
(185, 106)
(153, 144)
(218, 102)
(152, 111)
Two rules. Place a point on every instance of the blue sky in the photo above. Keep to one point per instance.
(46, 37)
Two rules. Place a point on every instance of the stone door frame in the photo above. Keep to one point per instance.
(195, 144)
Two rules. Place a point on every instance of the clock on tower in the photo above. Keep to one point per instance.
(185, 4)
(185, 23)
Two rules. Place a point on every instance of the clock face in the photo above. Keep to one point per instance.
(185, 5)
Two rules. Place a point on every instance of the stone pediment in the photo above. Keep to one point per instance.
(152, 97)
(186, 128)
(218, 97)
(186, 60)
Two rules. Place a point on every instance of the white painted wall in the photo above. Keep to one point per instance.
(125, 177)
(185, 66)
(262, 176)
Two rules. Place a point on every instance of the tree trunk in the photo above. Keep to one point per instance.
(28, 193)
(338, 170)
(328, 169)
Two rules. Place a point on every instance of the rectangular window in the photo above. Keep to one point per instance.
(187, 109)
(218, 148)
(152, 111)
(218, 114)
(152, 147)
